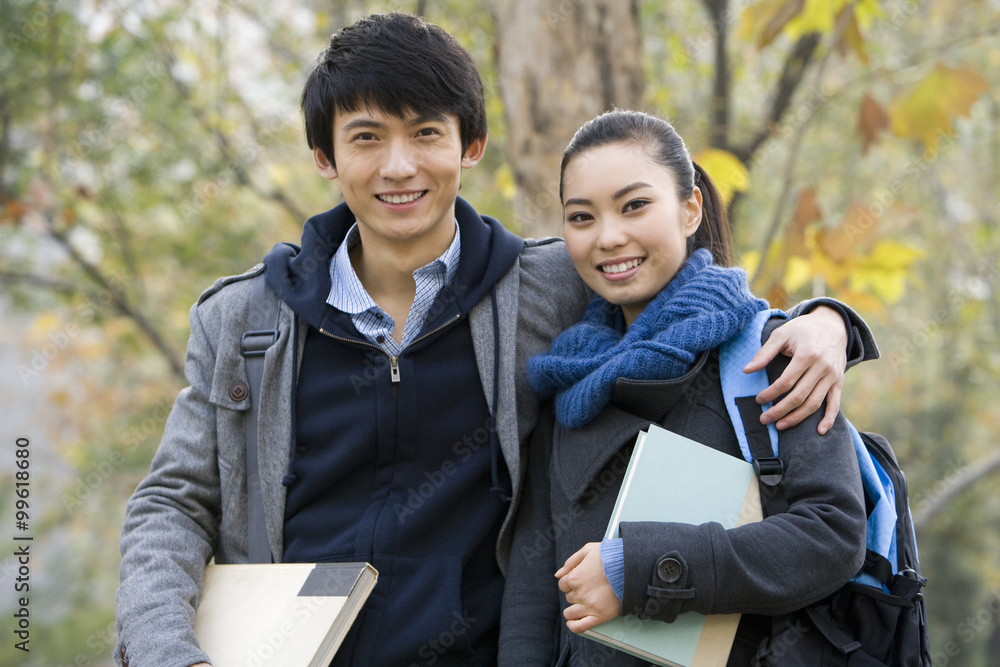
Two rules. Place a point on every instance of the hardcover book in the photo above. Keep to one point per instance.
(713, 487)
(279, 615)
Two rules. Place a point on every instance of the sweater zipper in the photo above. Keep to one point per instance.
(393, 360)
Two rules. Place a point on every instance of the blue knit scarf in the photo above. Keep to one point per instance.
(701, 308)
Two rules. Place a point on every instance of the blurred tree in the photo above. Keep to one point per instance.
(147, 148)
(559, 63)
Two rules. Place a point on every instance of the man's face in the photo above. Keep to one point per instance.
(400, 176)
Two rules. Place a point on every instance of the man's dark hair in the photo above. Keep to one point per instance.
(398, 64)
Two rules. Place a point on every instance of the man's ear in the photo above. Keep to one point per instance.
(474, 153)
(323, 165)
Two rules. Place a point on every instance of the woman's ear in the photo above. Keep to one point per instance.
(474, 153)
(323, 165)
(692, 212)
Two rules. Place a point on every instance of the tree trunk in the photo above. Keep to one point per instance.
(560, 63)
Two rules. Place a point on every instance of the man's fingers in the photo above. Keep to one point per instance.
(832, 408)
(767, 352)
(808, 406)
(787, 382)
(807, 393)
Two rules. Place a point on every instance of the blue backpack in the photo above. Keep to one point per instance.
(879, 617)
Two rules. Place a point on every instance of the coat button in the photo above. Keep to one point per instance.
(669, 570)
(238, 391)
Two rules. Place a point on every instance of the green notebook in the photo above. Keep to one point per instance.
(712, 486)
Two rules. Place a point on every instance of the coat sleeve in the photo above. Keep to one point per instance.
(530, 621)
(774, 566)
(172, 525)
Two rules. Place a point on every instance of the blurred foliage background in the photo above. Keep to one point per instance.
(149, 147)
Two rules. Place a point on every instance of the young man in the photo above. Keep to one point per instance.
(394, 401)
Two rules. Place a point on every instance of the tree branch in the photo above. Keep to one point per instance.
(800, 133)
(120, 302)
(791, 77)
(228, 159)
(68, 289)
(717, 10)
(965, 478)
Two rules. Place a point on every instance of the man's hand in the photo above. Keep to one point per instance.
(817, 344)
(591, 598)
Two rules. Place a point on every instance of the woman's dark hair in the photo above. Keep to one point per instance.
(396, 63)
(663, 145)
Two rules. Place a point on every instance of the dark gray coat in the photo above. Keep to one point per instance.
(772, 567)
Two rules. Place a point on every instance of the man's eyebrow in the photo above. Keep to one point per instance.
(361, 122)
(629, 188)
(428, 117)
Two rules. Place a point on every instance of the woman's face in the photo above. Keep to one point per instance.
(625, 228)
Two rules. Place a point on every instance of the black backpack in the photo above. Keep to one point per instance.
(879, 618)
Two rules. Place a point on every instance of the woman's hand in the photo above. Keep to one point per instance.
(591, 598)
(817, 344)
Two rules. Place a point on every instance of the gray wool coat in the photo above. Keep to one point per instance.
(192, 506)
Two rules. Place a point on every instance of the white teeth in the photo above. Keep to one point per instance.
(623, 266)
(401, 199)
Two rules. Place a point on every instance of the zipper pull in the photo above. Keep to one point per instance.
(394, 369)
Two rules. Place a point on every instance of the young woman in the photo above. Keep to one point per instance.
(647, 231)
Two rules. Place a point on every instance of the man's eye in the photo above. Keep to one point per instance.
(428, 132)
(365, 136)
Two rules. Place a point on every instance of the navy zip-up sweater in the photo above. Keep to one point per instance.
(395, 457)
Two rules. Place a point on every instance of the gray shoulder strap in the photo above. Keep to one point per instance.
(261, 333)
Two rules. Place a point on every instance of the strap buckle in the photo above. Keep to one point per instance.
(769, 470)
(256, 343)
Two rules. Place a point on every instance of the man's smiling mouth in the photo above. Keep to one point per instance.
(401, 199)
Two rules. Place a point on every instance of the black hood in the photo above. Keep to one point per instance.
(301, 275)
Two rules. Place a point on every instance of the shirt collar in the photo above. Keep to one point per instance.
(348, 295)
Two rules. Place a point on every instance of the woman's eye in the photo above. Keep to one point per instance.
(635, 204)
(578, 217)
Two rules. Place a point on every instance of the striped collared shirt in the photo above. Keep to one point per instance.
(348, 295)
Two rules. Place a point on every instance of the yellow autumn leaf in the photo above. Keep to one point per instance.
(45, 323)
(887, 285)
(927, 110)
(764, 20)
(798, 272)
(821, 16)
(749, 261)
(727, 172)
(816, 16)
(505, 182)
(889, 254)
(281, 174)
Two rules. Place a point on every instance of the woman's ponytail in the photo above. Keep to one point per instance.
(713, 233)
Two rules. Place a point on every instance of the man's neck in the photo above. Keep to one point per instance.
(386, 272)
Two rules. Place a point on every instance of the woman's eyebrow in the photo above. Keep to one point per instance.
(629, 188)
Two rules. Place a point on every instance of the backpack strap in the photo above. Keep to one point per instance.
(758, 443)
(739, 390)
(264, 308)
